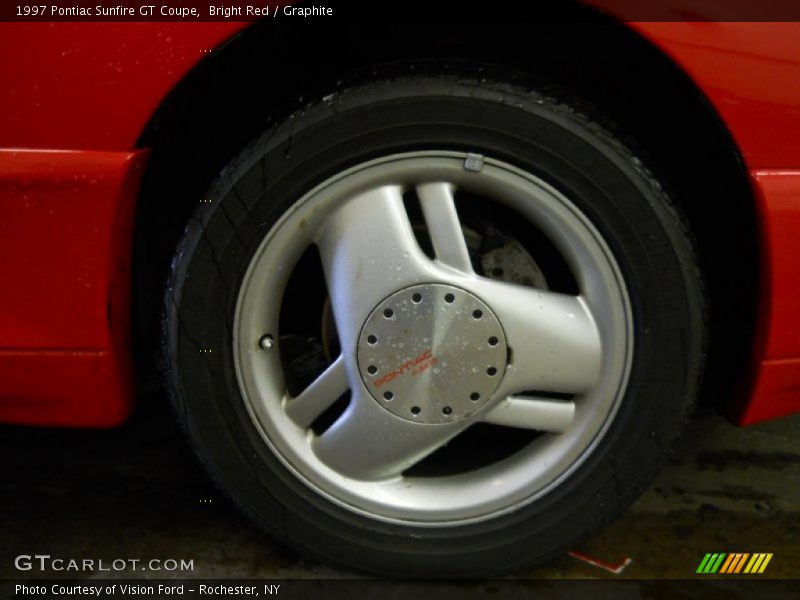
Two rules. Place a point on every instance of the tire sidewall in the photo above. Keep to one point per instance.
(548, 138)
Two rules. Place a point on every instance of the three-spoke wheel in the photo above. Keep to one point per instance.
(431, 331)
(428, 347)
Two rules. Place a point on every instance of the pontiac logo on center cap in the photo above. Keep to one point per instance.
(415, 366)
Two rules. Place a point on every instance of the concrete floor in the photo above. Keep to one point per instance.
(138, 492)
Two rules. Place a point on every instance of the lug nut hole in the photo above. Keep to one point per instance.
(416, 298)
(474, 396)
(388, 313)
(491, 371)
(449, 298)
(493, 341)
(447, 410)
(372, 340)
(388, 395)
(415, 410)
(477, 314)
(372, 369)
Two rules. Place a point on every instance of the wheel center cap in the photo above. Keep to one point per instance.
(432, 353)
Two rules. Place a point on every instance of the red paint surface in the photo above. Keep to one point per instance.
(776, 374)
(749, 71)
(93, 87)
(778, 202)
(65, 294)
(65, 285)
(64, 388)
(65, 219)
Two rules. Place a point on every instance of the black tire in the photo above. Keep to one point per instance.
(563, 145)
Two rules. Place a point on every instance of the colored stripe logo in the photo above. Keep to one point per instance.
(734, 563)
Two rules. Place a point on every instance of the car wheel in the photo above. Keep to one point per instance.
(431, 327)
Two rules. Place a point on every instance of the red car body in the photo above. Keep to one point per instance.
(77, 96)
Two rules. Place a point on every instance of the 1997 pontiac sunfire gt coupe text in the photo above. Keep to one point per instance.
(424, 309)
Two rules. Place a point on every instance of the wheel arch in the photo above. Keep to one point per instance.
(262, 75)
